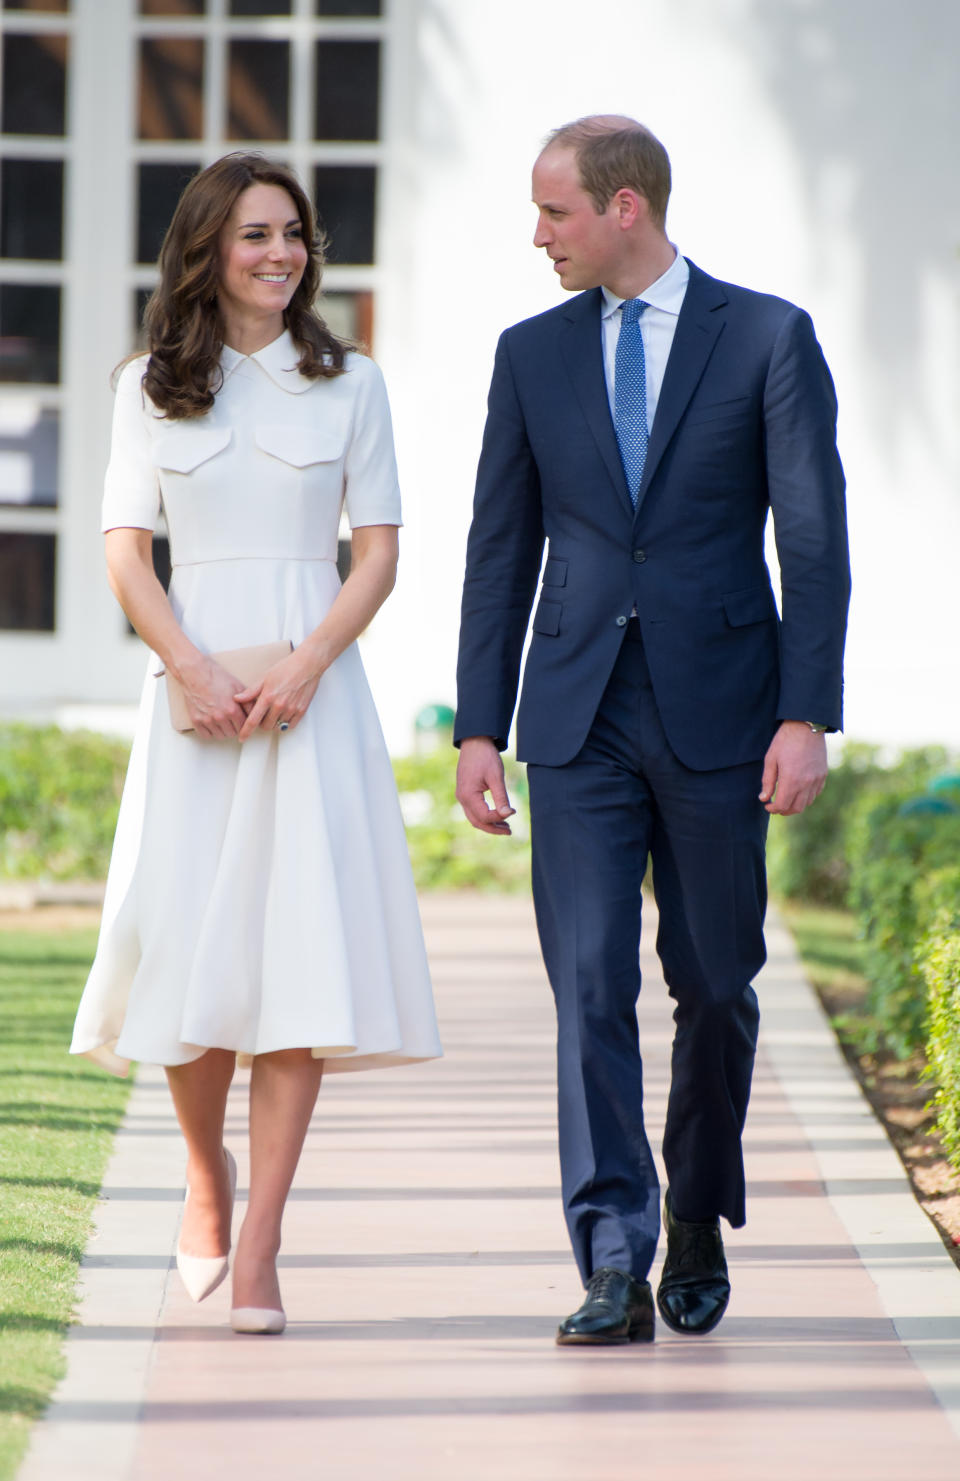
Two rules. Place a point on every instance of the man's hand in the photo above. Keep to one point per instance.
(480, 770)
(794, 769)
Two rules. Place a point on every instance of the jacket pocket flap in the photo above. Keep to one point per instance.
(184, 448)
(301, 446)
(546, 619)
(755, 604)
(555, 573)
(713, 411)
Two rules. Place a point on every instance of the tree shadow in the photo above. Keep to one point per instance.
(25, 1401)
(72, 1252)
(868, 93)
(70, 1185)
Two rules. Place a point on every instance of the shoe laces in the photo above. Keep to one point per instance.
(698, 1250)
(602, 1282)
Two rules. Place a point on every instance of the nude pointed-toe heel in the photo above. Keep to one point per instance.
(201, 1274)
(259, 1321)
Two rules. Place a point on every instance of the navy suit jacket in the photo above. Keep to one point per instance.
(745, 424)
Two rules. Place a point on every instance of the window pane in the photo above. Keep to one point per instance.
(258, 90)
(339, 313)
(34, 84)
(171, 88)
(29, 333)
(259, 7)
(27, 574)
(31, 208)
(349, 7)
(29, 448)
(346, 205)
(159, 187)
(173, 7)
(348, 90)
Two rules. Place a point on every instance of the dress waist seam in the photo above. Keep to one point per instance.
(214, 560)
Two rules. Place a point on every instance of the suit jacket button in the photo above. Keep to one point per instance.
(621, 622)
(639, 556)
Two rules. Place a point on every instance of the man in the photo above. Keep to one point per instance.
(644, 430)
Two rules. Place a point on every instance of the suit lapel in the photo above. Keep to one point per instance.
(699, 326)
(582, 350)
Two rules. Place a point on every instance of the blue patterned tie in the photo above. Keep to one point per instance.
(630, 395)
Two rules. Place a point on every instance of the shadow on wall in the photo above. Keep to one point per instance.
(444, 78)
(868, 92)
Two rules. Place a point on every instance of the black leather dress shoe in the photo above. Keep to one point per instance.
(694, 1288)
(617, 1309)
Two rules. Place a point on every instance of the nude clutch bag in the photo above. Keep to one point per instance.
(249, 665)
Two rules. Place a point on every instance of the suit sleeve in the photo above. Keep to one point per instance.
(504, 551)
(806, 488)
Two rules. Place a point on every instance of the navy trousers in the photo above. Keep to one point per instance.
(624, 799)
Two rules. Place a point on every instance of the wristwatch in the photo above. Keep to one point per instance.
(817, 729)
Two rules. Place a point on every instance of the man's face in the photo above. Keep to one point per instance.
(584, 247)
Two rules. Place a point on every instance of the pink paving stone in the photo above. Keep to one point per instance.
(426, 1263)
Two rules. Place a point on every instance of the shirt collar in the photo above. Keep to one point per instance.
(666, 293)
(279, 360)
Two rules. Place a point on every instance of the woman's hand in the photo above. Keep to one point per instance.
(210, 692)
(290, 685)
(211, 697)
(282, 696)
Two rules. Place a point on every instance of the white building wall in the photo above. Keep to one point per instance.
(813, 145)
(814, 152)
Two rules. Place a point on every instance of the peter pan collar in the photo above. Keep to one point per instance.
(279, 360)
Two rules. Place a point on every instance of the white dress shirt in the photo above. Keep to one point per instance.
(658, 324)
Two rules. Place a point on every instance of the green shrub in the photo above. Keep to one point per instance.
(59, 796)
(807, 855)
(60, 792)
(938, 961)
(895, 848)
(446, 852)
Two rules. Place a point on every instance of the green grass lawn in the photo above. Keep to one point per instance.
(828, 943)
(832, 956)
(57, 1119)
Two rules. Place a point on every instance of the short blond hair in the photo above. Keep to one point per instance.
(616, 153)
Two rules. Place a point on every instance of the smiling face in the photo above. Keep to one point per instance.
(262, 258)
(585, 247)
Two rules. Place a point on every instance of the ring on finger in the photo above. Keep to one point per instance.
(283, 725)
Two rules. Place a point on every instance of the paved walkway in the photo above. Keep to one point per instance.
(425, 1266)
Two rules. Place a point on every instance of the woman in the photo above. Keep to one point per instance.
(259, 900)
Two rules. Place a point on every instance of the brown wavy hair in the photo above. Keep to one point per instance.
(182, 319)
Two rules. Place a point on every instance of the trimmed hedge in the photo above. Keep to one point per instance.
(897, 849)
(59, 797)
(938, 962)
(884, 842)
(60, 793)
(807, 856)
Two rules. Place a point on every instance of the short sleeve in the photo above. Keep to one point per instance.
(370, 466)
(131, 494)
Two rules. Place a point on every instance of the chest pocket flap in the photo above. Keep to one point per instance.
(755, 604)
(184, 448)
(301, 446)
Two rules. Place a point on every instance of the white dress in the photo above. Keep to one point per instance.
(259, 895)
